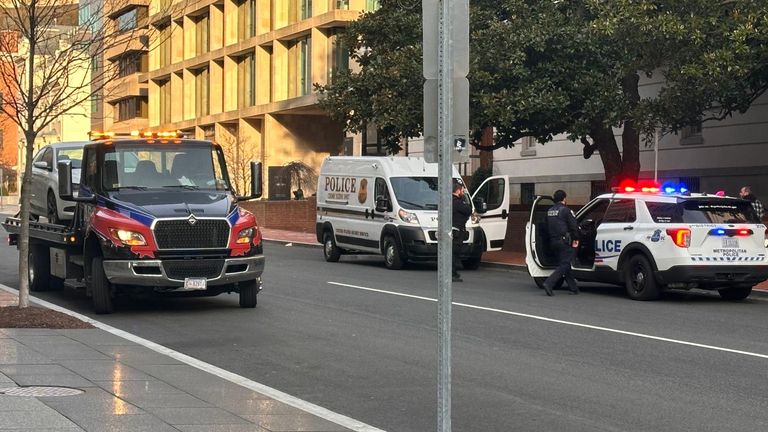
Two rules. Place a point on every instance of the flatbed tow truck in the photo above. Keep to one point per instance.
(156, 215)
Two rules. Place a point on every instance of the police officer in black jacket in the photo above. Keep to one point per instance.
(563, 239)
(461, 213)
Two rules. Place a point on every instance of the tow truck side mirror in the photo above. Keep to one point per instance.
(256, 179)
(65, 183)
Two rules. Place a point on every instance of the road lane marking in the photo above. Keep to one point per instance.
(557, 321)
(275, 394)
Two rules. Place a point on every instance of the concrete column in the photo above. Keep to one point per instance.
(280, 78)
(177, 41)
(263, 76)
(177, 98)
(319, 56)
(230, 23)
(357, 5)
(281, 13)
(263, 16)
(190, 38)
(217, 87)
(230, 84)
(320, 7)
(189, 95)
(217, 27)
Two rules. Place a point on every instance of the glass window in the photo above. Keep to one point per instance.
(247, 80)
(527, 193)
(48, 157)
(371, 5)
(71, 154)
(91, 169)
(594, 212)
(202, 31)
(127, 21)
(493, 193)
(138, 166)
(306, 8)
(621, 211)
(246, 15)
(305, 66)
(417, 193)
(720, 211)
(339, 54)
(202, 92)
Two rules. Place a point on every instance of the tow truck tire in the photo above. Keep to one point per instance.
(639, 279)
(39, 268)
(248, 293)
(392, 258)
(331, 252)
(101, 289)
(735, 293)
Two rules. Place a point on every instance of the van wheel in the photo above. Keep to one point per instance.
(101, 289)
(735, 293)
(248, 292)
(39, 268)
(639, 279)
(331, 252)
(392, 258)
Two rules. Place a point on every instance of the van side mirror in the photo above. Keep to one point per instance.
(382, 204)
(480, 205)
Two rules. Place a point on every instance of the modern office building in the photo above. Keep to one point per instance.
(241, 72)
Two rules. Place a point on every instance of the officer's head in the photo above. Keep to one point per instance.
(560, 196)
(458, 188)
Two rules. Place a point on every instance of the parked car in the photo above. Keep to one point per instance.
(45, 200)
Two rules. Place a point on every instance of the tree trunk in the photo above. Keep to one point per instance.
(605, 142)
(486, 157)
(26, 190)
(630, 137)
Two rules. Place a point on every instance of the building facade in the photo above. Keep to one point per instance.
(241, 72)
(120, 101)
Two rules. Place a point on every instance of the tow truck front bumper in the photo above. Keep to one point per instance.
(171, 273)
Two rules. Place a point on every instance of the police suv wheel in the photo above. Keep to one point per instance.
(330, 250)
(392, 258)
(735, 293)
(639, 279)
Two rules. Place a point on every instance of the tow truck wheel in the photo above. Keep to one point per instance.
(330, 250)
(101, 289)
(392, 257)
(39, 268)
(248, 293)
(52, 212)
(639, 279)
(735, 293)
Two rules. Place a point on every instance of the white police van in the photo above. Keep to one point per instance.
(649, 239)
(388, 206)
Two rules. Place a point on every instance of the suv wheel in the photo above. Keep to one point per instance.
(52, 212)
(639, 279)
(331, 252)
(735, 293)
(392, 257)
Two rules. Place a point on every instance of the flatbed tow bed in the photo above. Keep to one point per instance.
(53, 233)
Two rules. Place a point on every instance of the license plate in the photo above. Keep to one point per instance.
(730, 242)
(195, 284)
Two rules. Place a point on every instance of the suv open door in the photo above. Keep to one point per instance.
(538, 257)
(494, 192)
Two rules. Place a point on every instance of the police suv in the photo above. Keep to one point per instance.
(649, 239)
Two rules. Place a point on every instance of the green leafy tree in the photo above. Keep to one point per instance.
(542, 68)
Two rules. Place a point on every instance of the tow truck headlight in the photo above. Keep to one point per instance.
(245, 236)
(408, 217)
(129, 238)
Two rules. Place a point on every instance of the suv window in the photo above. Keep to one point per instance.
(595, 213)
(48, 157)
(621, 211)
(703, 211)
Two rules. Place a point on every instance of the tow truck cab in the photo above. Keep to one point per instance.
(154, 215)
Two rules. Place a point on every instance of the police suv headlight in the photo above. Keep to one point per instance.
(245, 236)
(408, 217)
(129, 238)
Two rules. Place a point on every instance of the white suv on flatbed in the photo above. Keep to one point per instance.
(656, 240)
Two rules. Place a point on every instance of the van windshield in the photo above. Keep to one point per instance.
(417, 193)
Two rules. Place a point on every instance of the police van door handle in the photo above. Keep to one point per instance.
(629, 228)
(504, 214)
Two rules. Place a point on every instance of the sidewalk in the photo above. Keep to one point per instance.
(119, 385)
(501, 259)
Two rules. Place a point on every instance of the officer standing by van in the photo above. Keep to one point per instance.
(563, 239)
(461, 213)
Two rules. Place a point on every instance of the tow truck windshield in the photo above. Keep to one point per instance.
(141, 167)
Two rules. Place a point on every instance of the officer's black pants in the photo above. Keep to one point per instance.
(565, 254)
(458, 244)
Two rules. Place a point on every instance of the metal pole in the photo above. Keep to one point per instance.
(656, 156)
(445, 213)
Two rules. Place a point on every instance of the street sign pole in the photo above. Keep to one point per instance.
(445, 214)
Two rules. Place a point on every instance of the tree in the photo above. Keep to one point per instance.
(47, 67)
(541, 68)
(239, 153)
(301, 175)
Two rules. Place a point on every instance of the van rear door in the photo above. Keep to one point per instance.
(495, 193)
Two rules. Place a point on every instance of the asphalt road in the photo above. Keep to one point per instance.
(372, 355)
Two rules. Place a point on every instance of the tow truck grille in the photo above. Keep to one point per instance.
(179, 270)
(203, 234)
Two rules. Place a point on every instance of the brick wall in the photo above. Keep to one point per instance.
(285, 215)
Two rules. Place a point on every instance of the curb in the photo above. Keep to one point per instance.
(293, 243)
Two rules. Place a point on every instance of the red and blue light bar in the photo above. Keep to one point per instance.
(645, 186)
